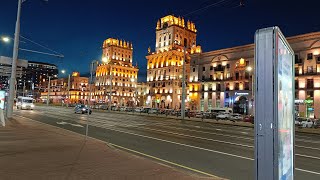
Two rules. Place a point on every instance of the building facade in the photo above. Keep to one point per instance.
(78, 92)
(223, 78)
(116, 76)
(34, 77)
(164, 66)
(141, 94)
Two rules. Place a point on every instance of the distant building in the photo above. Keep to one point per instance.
(5, 70)
(141, 94)
(223, 78)
(78, 93)
(117, 69)
(164, 66)
(34, 75)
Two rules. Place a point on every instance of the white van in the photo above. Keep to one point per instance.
(24, 103)
(221, 110)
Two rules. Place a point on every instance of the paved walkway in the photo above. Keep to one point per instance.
(35, 151)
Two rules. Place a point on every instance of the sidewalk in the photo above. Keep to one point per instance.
(35, 151)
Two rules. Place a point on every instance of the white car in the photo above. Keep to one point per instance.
(138, 109)
(235, 117)
(307, 124)
(223, 115)
(153, 111)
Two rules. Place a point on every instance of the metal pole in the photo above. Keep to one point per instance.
(48, 95)
(24, 89)
(14, 63)
(68, 90)
(87, 125)
(183, 98)
(110, 91)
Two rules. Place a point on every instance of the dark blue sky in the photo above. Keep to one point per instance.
(77, 28)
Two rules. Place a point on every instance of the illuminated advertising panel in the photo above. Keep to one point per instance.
(285, 110)
(2, 99)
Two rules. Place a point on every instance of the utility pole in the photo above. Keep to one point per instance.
(68, 91)
(90, 84)
(183, 98)
(48, 95)
(24, 89)
(110, 91)
(14, 63)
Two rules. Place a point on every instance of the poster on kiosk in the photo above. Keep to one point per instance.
(274, 117)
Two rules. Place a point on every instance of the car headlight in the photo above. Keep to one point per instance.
(32, 105)
(83, 109)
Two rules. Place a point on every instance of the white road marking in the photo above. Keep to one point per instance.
(307, 171)
(306, 156)
(218, 129)
(244, 133)
(298, 169)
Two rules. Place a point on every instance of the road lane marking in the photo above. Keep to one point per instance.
(244, 132)
(218, 129)
(196, 137)
(306, 156)
(303, 170)
(306, 147)
(134, 151)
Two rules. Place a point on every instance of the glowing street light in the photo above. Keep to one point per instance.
(249, 68)
(63, 71)
(5, 39)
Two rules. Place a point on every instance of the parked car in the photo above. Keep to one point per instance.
(145, 110)
(307, 123)
(223, 115)
(81, 108)
(316, 123)
(153, 111)
(122, 108)
(235, 117)
(248, 118)
(199, 115)
(138, 109)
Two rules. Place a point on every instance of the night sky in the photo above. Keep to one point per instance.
(77, 28)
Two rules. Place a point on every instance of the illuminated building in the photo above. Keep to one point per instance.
(78, 93)
(164, 66)
(116, 68)
(141, 94)
(223, 78)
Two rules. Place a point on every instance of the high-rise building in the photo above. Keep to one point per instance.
(164, 66)
(116, 74)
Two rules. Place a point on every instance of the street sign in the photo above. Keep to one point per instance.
(274, 102)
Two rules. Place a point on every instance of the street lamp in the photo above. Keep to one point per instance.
(68, 88)
(5, 39)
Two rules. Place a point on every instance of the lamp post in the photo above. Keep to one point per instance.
(68, 87)
(48, 95)
(90, 84)
(14, 62)
(183, 97)
(249, 69)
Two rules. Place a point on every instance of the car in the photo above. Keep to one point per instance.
(235, 117)
(81, 108)
(145, 109)
(138, 109)
(307, 123)
(316, 123)
(223, 115)
(122, 108)
(24, 103)
(199, 115)
(248, 118)
(153, 111)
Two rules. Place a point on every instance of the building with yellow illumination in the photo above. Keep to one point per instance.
(164, 65)
(78, 93)
(116, 76)
(223, 78)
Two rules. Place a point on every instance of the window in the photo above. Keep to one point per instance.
(309, 94)
(194, 70)
(310, 56)
(211, 77)
(228, 65)
(203, 68)
(211, 67)
(165, 37)
(309, 83)
(169, 36)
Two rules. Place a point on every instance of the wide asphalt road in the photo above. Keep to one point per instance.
(206, 148)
